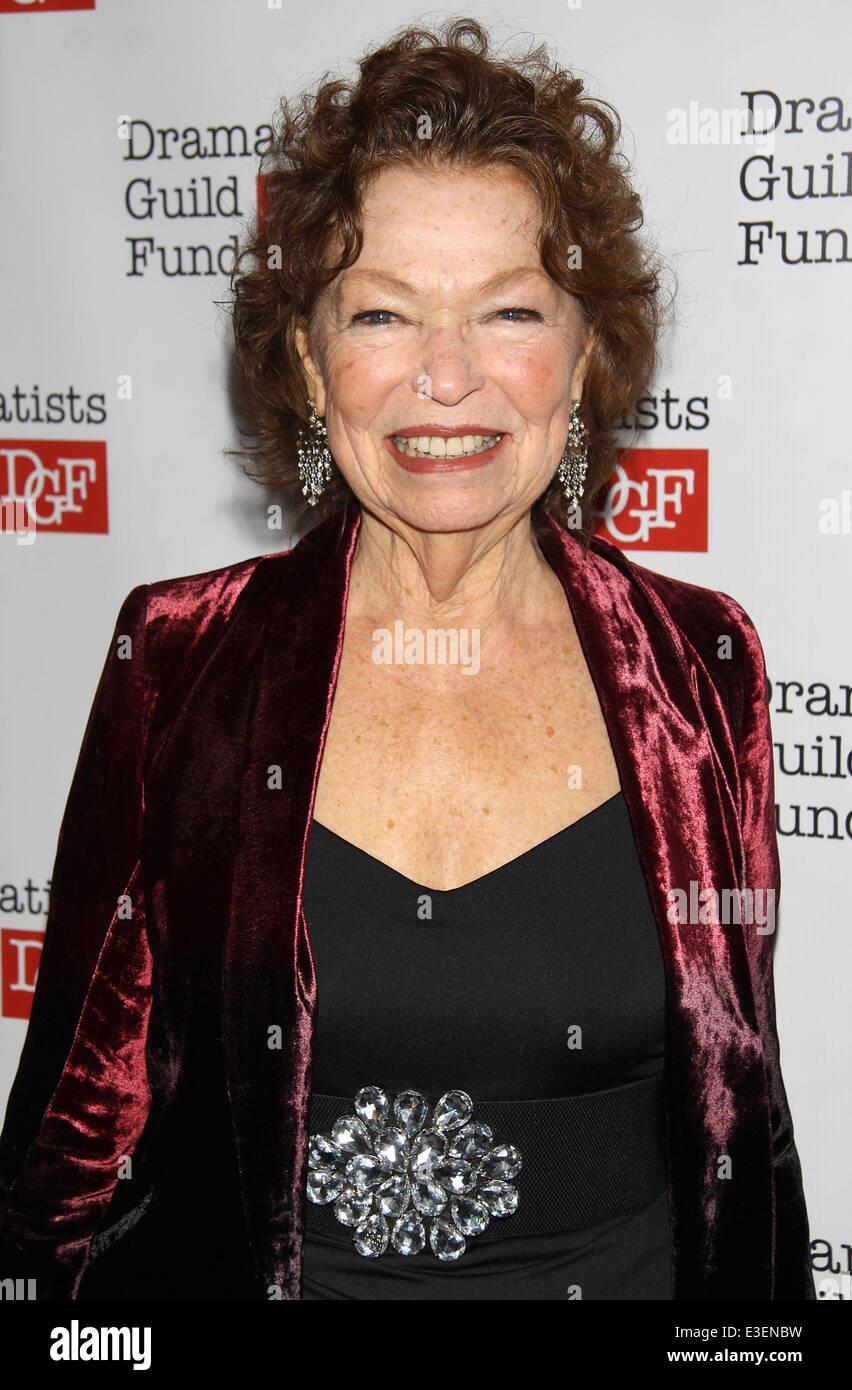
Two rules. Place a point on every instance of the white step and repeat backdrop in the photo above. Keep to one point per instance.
(129, 155)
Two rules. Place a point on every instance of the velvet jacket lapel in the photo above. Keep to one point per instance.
(657, 700)
(266, 701)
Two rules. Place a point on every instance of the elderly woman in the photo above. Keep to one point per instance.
(384, 956)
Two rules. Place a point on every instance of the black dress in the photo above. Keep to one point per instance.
(480, 988)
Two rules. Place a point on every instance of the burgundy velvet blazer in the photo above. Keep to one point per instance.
(154, 1144)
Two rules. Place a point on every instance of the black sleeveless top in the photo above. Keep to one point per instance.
(483, 988)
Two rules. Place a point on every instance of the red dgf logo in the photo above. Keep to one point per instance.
(657, 500)
(40, 6)
(53, 485)
(20, 956)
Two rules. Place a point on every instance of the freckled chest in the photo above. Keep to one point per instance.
(444, 775)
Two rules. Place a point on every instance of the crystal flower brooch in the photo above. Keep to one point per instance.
(398, 1175)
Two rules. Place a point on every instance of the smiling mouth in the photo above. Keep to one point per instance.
(434, 447)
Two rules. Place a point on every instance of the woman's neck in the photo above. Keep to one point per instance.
(489, 577)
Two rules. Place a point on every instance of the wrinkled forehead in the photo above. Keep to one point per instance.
(422, 222)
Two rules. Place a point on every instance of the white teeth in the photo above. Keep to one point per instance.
(433, 446)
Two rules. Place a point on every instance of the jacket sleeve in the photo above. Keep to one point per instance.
(792, 1276)
(80, 1096)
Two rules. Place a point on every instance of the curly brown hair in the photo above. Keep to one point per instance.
(528, 114)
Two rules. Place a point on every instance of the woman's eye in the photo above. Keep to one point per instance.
(379, 317)
(370, 314)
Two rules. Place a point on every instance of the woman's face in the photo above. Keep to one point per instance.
(446, 326)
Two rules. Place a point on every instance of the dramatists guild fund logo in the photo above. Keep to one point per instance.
(42, 6)
(21, 943)
(657, 500)
(20, 957)
(49, 485)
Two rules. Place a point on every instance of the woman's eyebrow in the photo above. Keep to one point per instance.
(393, 282)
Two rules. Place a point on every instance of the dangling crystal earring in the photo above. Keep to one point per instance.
(575, 460)
(315, 457)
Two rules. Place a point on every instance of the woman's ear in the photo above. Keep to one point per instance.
(313, 373)
(581, 366)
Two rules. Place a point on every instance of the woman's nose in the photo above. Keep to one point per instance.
(450, 369)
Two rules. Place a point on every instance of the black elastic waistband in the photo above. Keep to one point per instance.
(586, 1159)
